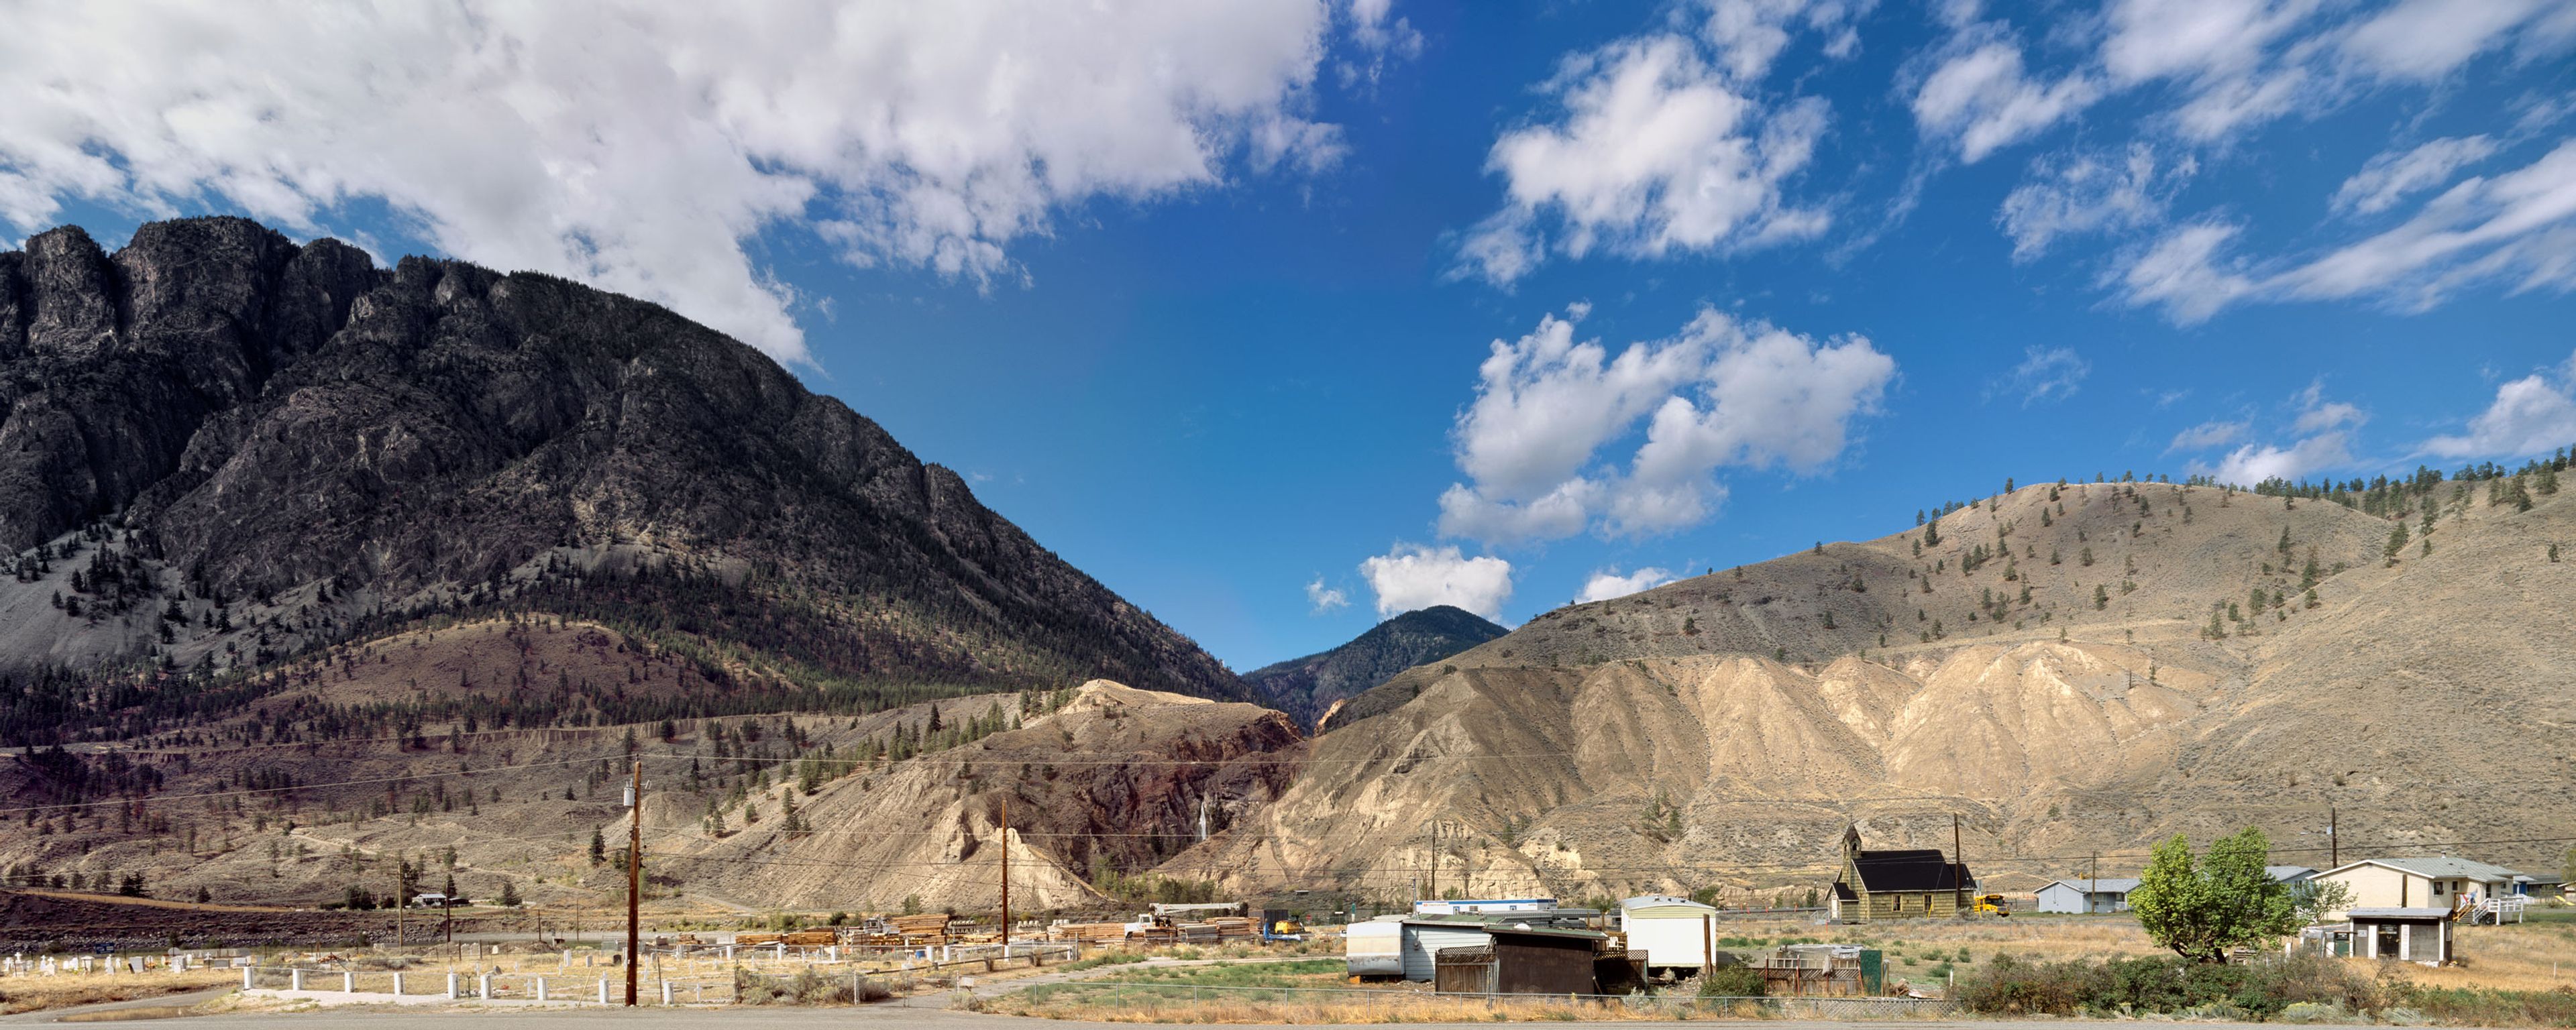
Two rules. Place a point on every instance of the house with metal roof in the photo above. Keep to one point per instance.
(2444, 882)
(2088, 894)
(1898, 884)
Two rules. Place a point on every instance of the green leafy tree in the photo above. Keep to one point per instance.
(2315, 898)
(2224, 900)
(509, 894)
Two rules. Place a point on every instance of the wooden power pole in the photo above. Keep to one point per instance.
(1006, 877)
(634, 876)
(2334, 841)
(1958, 860)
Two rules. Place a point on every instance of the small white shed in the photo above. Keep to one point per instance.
(2409, 934)
(1673, 933)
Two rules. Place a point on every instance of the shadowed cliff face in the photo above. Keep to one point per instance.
(236, 416)
(1308, 687)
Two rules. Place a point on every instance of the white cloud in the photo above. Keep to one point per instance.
(2391, 176)
(1721, 393)
(2326, 442)
(2045, 374)
(1410, 577)
(2205, 435)
(1382, 39)
(2500, 227)
(1748, 35)
(2518, 227)
(2531, 415)
(2427, 39)
(1324, 598)
(640, 146)
(1604, 586)
(1655, 150)
(2181, 273)
(2328, 416)
(2250, 465)
(2085, 192)
(1981, 99)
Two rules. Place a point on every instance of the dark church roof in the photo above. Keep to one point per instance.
(1919, 869)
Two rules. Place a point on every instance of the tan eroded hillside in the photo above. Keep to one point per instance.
(2428, 701)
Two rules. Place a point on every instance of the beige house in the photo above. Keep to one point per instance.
(2443, 883)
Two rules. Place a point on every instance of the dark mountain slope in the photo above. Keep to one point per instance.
(1307, 687)
(218, 446)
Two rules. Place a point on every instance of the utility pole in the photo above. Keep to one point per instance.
(400, 902)
(1006, 877)
(1958, 860)
(634, 875)
(2334, 842)
(447, 913)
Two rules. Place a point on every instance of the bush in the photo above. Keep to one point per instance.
(1731, 982)
(2260, 990)
(807, 987)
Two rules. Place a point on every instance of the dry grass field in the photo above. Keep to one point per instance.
(40, 993)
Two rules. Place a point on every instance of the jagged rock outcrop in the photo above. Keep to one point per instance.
(309, 442)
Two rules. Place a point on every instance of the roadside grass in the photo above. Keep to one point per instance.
(41, 993)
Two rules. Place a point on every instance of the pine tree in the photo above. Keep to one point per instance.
(2396, 543)
(598, 848)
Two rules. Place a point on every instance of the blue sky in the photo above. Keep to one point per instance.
(1275, 315)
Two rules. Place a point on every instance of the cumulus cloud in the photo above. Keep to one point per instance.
(1721, 393)
(1324, 598)
(2045, 374)
(2082, 192)
(1981, 99)
(639, 147)
(1660, 144)
(2531, 415)
(1603, 586)
(2250, 465)
(2205, 435)
(2326, 442)
(2392, 176)
(1411, 577)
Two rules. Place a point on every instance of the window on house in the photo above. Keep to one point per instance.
(2437, 888)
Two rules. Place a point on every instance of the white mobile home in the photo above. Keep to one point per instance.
(2105, 894)
(1672, 933)
(1375, 947)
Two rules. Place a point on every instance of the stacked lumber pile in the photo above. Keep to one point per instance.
(1235, 927)
(1088, 933)
(754, 940)
(915, 931)
(811, 938)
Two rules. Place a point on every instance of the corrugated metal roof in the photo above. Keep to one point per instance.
(2401, 913)
(2287, 873)
(2447, 866)
(2105, 885)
